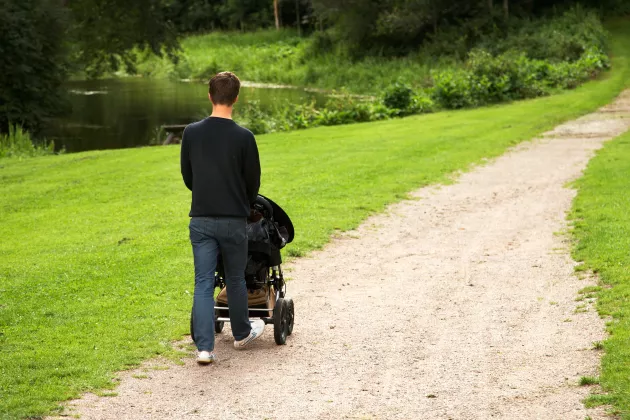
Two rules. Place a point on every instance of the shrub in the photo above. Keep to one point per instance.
(560, 38)
(398, 96)
(509, 76)
(452, 89)
(256, 119)
(18, 143)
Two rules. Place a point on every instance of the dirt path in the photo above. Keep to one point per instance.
(457, 305)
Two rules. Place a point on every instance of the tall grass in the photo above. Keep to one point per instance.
(18, 143)
(283, 58)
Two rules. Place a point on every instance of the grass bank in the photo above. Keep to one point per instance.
(95, 265)
(281, 57)
(602, 233)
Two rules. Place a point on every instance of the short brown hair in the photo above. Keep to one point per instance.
(224, 88)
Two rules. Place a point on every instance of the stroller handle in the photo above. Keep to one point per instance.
(262, 201)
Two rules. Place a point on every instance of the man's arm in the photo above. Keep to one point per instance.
(186, 167)
(252, 170)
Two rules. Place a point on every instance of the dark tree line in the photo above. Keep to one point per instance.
(205, 15)
(407, 23)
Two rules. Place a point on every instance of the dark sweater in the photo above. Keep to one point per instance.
(220, 165)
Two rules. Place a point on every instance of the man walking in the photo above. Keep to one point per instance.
(220, 165)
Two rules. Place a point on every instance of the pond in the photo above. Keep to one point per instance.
(122, 113)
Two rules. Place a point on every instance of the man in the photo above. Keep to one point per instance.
(220, 165)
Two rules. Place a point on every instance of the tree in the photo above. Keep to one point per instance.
(276, 13)
(104, 32)
(297, 17)
(40, 38)
(33, 65)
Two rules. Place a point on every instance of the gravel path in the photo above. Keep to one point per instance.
(458, 304)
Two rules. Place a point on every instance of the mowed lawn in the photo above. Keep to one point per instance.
(602, 230)
(96, 270)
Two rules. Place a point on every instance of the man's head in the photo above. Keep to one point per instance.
(224, 88)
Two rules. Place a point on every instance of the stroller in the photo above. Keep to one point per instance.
(269, 229)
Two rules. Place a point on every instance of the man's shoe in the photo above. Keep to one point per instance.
(206, 357)
(258, 326)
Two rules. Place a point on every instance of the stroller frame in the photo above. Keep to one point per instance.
(283, 308)
(268, 277)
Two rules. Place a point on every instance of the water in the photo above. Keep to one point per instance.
(122, 113)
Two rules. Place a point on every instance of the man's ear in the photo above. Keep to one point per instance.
(235, 100)
(210, 97)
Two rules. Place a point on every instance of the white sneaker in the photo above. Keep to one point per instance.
(206, 357)
(258, 326)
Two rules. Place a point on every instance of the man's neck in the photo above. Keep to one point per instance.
(222, 111)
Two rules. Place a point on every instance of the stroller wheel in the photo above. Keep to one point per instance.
(290, 316)
(218, 325)
(280, 326)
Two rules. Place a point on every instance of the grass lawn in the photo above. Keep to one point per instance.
(602, 231)
(95, 265)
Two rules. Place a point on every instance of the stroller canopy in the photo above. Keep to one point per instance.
(281, 218)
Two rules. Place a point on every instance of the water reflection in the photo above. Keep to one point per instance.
(122, 113)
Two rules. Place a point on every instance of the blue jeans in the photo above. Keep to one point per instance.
(208, 235)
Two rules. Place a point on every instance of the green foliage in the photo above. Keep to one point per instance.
(482, 79)
(452, 89)
(280, 57)
(40, 39)
(556, 38)
(33, 64)
(246, 15)
(452, 27)
(502, 68)
(339, 109)
(490, 79)
(18, 143)
(398, 96)
(103, 33)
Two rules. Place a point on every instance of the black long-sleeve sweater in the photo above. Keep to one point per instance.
(220, 165)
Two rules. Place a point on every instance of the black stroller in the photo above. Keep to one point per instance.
(269, 229)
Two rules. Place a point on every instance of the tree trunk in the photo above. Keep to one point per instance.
(276, 14)
(435, 17)
(297, 17)
(490, 5)
(506, 9)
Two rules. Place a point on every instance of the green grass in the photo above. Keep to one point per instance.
(588, 380)
(602, 232)
(284, 58)
(95, 265)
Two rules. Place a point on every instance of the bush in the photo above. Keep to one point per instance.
(452, 89)
(256, 119)
(562, 38)
(490, 79)
(398, 96)
(339, 109)
(18, 143)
